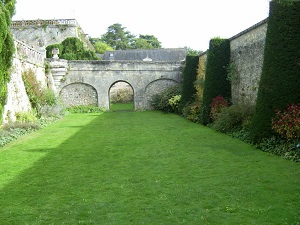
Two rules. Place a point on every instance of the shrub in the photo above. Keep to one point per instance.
(161, 101)
(174, 102)
(216, 106)
(234, 118)
(84, 109)
(278, 146)
(279, 83)
(287, 122)
(192, 111)
(216, 82)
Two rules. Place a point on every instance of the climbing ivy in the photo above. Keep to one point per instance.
(7, 8)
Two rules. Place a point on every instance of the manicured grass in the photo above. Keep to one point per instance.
(122, 106)
(143, 168)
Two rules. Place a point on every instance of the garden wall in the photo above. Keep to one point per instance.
(246, 56)
(25, 58)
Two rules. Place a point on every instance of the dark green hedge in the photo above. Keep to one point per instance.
(216, 82)
(280, 79)
(188, 89)
(72, 49)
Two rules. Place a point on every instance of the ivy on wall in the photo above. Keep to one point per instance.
(7, 8)
(72, 49)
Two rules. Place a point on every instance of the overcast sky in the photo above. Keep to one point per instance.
(176, 23)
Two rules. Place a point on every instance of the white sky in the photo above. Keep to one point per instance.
(176, 23)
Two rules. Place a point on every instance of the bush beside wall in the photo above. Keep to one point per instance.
(280, 79)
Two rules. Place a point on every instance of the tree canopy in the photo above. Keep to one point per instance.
(119, 38)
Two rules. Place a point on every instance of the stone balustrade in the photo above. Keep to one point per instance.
(25, 52)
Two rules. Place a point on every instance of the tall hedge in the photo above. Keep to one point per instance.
(280, 78)
(188, 89)
(216, 82)
(6, 48)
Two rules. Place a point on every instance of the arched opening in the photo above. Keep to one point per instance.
(121, 96)
(77, 94)
(156, 87)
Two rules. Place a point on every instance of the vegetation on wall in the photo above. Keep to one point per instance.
(7, 8)
(216, 82)
(280, 79)
(72, 49)
(188, 89)
(39, 97)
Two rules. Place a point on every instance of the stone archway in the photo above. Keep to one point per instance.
(156, 87)
(76, 94)
(121, 92)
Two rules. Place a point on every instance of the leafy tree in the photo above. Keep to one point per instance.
(102, 47)
(192, 52)
(117, 37)
(146, 42)
(7, 9)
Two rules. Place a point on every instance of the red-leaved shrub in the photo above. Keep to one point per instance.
(216, 106)
(287, 122)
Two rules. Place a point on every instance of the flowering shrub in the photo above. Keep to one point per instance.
(216, 106)
(287, 122)
(174, 102)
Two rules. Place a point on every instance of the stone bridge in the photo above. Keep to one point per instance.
(89, 82)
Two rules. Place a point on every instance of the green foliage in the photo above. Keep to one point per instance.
(120, 39)
(287, 122)
(232, 118)
(50, 47)
(192, 52)
(278, 146)
(188, 89)
(6, 49)
(279, 83)
(174, 102)
(146, 42)
(102, 47)
(39, 97)
(161, 101)
(84, 109)
(192, 111)
(72, 49)
(117, 37)
(216, 83)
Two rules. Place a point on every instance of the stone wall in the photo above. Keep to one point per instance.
(102, 75)
(247, 53)
(40, 33)
(25, 58)
(79, 94)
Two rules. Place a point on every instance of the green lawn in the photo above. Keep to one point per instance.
(143, 168)
(122, 106)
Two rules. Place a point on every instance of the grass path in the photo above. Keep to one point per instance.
(143, 168)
